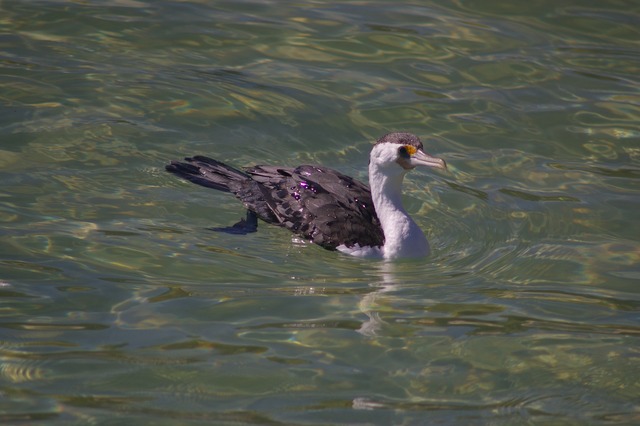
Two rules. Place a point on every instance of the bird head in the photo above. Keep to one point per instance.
(402, 152)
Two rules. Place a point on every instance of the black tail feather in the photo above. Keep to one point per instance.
(207, 172)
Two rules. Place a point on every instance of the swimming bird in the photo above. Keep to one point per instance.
(325, 206)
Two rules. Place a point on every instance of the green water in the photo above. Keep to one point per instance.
(118, 306)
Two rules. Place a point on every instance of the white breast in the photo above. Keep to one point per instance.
(358, 251)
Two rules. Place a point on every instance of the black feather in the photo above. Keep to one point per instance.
(318, 203)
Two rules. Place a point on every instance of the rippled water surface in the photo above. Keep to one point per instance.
(120, 307)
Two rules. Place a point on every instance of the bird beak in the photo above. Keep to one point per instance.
(420, 158)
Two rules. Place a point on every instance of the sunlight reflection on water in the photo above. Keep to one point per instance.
(119, 304)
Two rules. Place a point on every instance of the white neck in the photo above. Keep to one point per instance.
(403, 237)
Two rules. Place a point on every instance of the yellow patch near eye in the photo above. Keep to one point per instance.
(411, 149)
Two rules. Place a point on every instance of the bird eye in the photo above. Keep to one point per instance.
(403, 151)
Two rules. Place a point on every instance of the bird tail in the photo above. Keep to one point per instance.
(207, 172)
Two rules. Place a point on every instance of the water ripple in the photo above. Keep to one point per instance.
(119, 303)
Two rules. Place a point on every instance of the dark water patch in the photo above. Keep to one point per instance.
(220, 348)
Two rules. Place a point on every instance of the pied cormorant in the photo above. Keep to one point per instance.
(324, 206)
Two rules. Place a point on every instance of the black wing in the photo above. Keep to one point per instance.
(321, 204)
